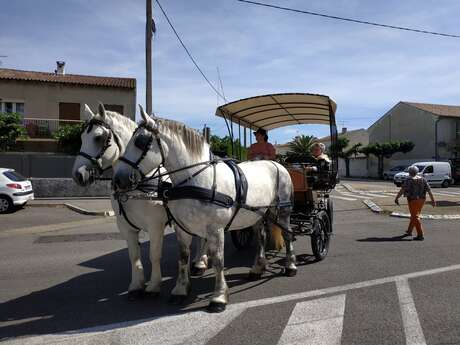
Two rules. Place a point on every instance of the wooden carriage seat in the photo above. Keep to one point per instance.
(303, 193)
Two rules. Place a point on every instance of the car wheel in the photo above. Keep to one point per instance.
(6, 204)
(445, 184)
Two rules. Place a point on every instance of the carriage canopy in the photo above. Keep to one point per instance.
(279, 110)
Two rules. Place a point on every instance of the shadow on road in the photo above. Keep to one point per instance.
(99, 298)
(401, 238)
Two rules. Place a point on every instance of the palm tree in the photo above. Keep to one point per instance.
(300, 148)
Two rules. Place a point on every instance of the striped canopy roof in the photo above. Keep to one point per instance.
(278, 110)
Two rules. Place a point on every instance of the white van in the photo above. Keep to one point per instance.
(436, 173)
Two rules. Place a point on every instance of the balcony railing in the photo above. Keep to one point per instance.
(44, 128)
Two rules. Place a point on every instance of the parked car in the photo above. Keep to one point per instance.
(436, 173)
(390, 174)
(15, 190)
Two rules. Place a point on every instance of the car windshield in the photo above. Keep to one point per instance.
(14, 176)
(420, 167)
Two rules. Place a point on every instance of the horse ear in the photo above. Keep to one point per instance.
(87, 113)
(101, 110)
(144, 115)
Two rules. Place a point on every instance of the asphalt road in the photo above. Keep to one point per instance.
(374, 287)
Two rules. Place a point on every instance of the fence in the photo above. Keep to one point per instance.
(45, 128)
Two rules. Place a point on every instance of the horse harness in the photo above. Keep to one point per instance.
(166, 192)
(108, 142)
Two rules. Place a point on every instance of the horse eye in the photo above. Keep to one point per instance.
(99, 139)
(142, 142)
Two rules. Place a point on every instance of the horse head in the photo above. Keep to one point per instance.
(144, 153)
(99, 150)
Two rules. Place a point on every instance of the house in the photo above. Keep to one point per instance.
(61, 96)
(433, 128)
(358, 163)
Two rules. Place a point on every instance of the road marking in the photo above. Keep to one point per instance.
(191, 328)
(412, 328)
(315, 322)
(342, 198)
(372, 195)
(355, 195)
(147, 328)
(446, 193)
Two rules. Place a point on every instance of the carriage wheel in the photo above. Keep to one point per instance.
(242, 239)
(330, 212)
(321, 236)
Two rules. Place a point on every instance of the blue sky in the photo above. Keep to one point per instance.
(366, 70)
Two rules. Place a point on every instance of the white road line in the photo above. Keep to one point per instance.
(373, 195)
(315, 322)
(355, 195)
(446, 193)
(412, 328)
(342, 198)
(148, 327)
(191, 328)
(337, 289)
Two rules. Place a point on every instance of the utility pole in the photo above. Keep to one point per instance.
(148, 56)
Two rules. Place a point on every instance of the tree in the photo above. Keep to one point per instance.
(11, 128)
(222, 147)
(69, 138)
(300, 149)
(344, 152)
(386, 150)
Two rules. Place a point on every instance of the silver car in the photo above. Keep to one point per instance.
(15, 190)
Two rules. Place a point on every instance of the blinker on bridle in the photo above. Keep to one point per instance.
(143, 143)
(95, 159)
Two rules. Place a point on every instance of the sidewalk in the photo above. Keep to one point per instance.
(87, 206)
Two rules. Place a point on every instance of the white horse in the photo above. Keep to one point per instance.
(103, 141)
(182, 151)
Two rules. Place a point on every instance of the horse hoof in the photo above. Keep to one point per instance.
(290, 272)
(177, 299)
(197, 272)
(134, 295)
(215, 307)
(254, 276)
(152, 294)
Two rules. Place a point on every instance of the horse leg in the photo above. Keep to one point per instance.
(200, 263)
(219, 298)
(260, 262)
(182, 288)
(284, 220)
(156, 235)
(136, 287)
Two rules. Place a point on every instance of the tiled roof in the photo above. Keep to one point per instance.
(438, 109)
(75, 79)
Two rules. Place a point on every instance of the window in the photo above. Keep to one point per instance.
(69, 111)
(114, 107)
(14, 176)
(20, 108)
(8, 107)
(428, 169)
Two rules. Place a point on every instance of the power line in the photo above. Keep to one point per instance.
(189, 54)
(349, 19)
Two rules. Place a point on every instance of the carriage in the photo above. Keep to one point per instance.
(312, 212)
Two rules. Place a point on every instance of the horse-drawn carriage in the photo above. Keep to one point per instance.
(313, 209)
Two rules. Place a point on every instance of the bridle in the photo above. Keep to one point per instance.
(144, 143)
(95, 160)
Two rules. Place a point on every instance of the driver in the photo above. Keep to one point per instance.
(321, 159)
(262, 149)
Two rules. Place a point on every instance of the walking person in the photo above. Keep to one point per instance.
(414, 189)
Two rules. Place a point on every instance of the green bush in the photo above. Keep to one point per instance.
(11, 128)
(69, 138)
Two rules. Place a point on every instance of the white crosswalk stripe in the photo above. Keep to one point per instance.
(315, 322)
(342, 198)
(355, 195)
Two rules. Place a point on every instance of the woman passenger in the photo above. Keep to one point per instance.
(262, 149)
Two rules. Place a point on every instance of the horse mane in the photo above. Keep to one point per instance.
(193, 140)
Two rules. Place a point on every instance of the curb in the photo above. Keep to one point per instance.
(373, 206)
(109, 213)
(426, 216)
(348, 187)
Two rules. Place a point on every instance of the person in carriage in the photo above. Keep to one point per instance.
(262, 149)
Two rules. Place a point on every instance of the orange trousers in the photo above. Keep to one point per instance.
(415, 208)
